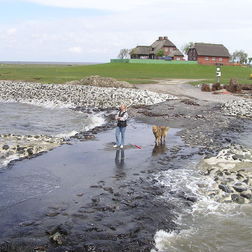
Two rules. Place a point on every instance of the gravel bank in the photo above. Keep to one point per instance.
(240, 108)
(77, 95)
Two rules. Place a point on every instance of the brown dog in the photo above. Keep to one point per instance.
(160, 133)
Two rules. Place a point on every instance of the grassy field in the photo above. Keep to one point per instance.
(134, 73)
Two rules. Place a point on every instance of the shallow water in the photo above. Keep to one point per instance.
(55, 178)
(26, 119)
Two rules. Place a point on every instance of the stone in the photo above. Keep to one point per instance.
(108, 189)
(246, 195)
(216, 86)
(62, 229)
(52, 214)
(246, 181)
(239, 188)
(237, 199)
(225, 188)
(57, 238)
(40, 249)
(205, 87)
(26, 223)
(233, 87)
(219, 173)
(88, 137)
(5, 147)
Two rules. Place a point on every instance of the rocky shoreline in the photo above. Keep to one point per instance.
(120, 216)
(231, 174)
(72, 96)
(16, 147)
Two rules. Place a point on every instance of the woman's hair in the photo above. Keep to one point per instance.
(124, 106)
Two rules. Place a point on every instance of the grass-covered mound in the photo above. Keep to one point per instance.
(133, 73)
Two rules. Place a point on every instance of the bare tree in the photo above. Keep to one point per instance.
(124, 53)
(186, 47)
(239, 56)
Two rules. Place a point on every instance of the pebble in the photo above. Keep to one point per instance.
(231, 184)
(17, 146)
(240, 108)
(72, 96)
(57, 238)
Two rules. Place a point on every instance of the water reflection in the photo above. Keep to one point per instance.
(159, 149)
(120, 164)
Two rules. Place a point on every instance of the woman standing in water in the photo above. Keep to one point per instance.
(121, 118)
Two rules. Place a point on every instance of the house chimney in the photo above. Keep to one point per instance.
(160, 38)
(165, 38)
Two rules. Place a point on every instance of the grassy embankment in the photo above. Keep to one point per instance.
(134, 73)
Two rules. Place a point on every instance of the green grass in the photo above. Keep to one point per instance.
(134, 73)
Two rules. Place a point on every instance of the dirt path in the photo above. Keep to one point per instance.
(182, 89)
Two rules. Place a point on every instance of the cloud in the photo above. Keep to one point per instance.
(75, 49)
(99, 38)
(11, 31)
(96, 4)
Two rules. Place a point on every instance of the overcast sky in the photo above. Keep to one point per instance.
(96, 30)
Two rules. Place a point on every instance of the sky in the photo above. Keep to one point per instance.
(96, 30)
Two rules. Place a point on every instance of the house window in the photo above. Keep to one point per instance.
(213, 59)
(166, 49)
(206, 58)
(220, 59)
(177, 58)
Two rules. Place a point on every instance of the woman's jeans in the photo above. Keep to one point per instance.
(120, 131)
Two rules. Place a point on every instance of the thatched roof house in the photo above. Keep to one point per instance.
(206, 53)
(170, 51)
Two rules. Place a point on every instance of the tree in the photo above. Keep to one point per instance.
(186, 47)
(249, 60)
(160, 53)
(239, 56)
(124, 53)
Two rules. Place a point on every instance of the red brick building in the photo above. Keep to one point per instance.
(209, 54)
(170, 51)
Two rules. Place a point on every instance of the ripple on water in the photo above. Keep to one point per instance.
(23, 120)
(26, 119)
(207, 226)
